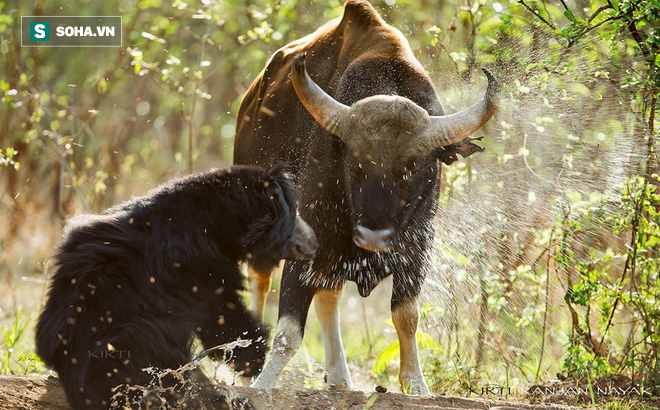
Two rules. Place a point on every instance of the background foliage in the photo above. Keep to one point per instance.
(547, 257)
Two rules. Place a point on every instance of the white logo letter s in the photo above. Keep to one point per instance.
(39, 31)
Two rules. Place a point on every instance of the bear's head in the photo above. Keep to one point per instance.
(277, 232)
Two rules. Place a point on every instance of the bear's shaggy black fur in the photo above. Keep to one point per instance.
(135, 285)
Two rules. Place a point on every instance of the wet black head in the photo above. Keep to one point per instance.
(276, 231)
(383, 192)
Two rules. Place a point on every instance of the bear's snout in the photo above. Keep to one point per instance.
(304, 243)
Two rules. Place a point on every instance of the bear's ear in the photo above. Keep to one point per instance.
(276, 170)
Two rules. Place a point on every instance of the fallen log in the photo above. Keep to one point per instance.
(45, 393)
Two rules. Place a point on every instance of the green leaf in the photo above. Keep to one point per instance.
(453, 255)
(146, 4)
(573, 195)
(388, 354)
(569, 15)
(391, 352)
(425, 341)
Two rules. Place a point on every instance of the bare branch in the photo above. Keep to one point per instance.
(597, 12)
(588, 29)
(549, 23)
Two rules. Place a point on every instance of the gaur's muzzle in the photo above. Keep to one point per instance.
(373, 241)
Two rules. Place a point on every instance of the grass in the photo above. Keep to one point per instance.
(17, 350)
(625, 405)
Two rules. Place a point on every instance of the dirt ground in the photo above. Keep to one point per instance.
(44, 393)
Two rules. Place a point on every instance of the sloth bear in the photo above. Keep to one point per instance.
(135, 285)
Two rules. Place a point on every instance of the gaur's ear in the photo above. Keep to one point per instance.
(465, 148)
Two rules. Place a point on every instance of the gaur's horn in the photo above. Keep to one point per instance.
(327, 111)
(450, 129)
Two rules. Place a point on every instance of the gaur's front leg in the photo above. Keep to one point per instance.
(405, 315)
(327, 310)
(295, 299)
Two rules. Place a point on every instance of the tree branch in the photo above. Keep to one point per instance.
(549, 23)
(629, 265)
(588, 29)
(637, 37)
(597, 12)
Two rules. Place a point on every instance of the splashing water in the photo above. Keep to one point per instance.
(491, 282)
(179, 388)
